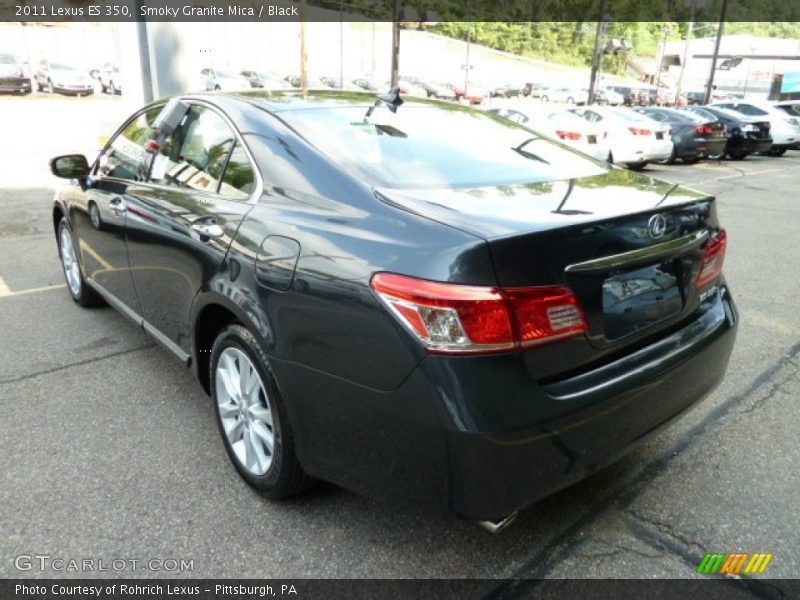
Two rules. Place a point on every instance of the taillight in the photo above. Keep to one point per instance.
(638, 131)
(712, 259)
(703, 129)
(460, 319)
(568, 135)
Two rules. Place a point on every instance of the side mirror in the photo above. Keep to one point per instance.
(70, 166)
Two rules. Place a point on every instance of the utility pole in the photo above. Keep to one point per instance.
(466, 63)
(689, 30)
(664, 30)
(303, 50)
(341, 44)
(720, 33)
(398, 4)
(598, 49)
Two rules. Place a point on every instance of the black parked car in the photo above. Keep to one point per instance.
(693, 136)
(14, 76)
(745, 136)
(355, 290)
(507, 90)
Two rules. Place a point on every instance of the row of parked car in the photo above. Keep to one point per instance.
(635, 137)
(56, 77)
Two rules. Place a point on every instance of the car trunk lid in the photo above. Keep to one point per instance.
(629, 247)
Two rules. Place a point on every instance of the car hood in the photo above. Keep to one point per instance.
(507, 210)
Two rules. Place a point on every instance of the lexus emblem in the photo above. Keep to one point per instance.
(656, 226)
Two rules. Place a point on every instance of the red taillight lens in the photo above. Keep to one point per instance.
(638, 131)
(712, 259)
(543, 314)
(703, 129)
(457, 319)
(568, 135)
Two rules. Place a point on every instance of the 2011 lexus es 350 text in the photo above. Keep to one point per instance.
(416, 300)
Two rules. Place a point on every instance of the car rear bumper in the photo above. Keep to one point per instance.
(701, 148)
(607, 413)
(752, 146)
(15, 84)
(480, 438)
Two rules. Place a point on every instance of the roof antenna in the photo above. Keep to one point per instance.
(391, 99)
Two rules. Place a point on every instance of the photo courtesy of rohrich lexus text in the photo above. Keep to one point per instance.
(399, 299)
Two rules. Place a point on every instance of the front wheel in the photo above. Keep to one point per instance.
(76, 284)
(777, 152)
(251, 415)
(50, 88)
(637, 166)
(691, 161)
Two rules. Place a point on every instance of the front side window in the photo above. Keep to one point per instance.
(124, 157)
(197, 155)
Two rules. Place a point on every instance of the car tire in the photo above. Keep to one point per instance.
(737, 155)
(637, 166)
(50, 88)
(250, 422)
(672, 157)
(545, 99)
(112, 89)
(570, 100)
(776, 152)
(217, 88)
(691, 161)
(77, 287)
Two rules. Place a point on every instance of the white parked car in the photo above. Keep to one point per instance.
(561, 125)
(614, 98)
(634, 140)
(216, 79)
(566, 95)
(784, 128)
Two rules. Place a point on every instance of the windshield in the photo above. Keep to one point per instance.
(426, 146)
(7, 59)
(61, 67)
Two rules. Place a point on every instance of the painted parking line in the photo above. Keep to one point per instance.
(7, 292)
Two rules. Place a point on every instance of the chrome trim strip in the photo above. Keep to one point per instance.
(126, 310)
(641, 256)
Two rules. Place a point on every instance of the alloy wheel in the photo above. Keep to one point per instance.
(70, 262)
(245, 411)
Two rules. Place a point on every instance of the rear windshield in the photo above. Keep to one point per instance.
(427, 146)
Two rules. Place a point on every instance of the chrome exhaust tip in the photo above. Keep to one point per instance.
(498, 526)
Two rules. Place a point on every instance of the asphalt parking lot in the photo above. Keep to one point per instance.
(109, 449)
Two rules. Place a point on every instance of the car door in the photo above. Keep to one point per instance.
(201, 184)
(98, 212)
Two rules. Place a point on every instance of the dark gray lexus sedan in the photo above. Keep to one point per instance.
(417, 300)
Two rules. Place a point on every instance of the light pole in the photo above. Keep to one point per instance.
(720, 32)
(467, 66)
(597, 55)
(749, 66)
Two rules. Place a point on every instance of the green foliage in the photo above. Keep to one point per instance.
(573, 43)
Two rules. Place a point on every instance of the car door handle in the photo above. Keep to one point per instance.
(208, 230)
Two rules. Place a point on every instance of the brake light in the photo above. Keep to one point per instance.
(712, 259)
(568, 135)
(462, 319)
(703, 129)
(638, 131)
